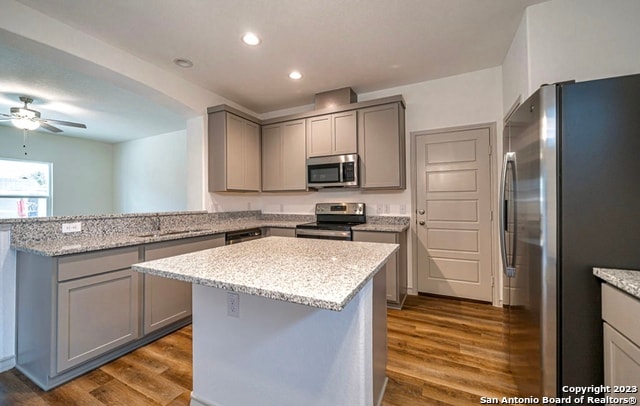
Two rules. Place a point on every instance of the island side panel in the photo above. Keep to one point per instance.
(279, 353)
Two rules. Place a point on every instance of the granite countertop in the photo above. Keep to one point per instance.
(381, 227)
(626, 280)
(57, 247)
(106, 238)
(319, 273)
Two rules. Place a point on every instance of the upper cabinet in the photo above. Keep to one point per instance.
(332, 134)
(283, 156)
(247, 154)
(234, 153)
(381, 146)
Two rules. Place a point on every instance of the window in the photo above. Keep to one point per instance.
(25, 188)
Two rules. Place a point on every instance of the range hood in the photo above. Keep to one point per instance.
(335, 98)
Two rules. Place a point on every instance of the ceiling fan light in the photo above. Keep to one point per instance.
(25, 123)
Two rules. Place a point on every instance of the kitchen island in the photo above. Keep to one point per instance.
(308, 326)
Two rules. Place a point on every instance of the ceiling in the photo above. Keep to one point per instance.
(365, 44)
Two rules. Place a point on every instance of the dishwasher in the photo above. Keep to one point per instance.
(235, 237)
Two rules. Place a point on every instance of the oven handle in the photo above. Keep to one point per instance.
(324, 233)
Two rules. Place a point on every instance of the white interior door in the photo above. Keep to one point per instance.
(454, 213)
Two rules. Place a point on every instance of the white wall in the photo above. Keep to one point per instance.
(151, 174)
(572, 40)
(82, 169)
(7, 300)
(515, 69)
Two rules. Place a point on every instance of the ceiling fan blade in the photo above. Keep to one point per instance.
(49, 127)
(67, 123)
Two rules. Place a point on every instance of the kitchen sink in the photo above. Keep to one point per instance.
(159, 233)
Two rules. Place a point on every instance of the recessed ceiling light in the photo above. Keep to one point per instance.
(183, 62)
(295, 75)
(251, 39)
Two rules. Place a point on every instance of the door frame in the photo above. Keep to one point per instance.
(496, 273)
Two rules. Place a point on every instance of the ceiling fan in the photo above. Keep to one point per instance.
(29, 119)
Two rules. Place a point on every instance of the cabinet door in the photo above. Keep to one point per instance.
(235, 152)
(96, 314)
(319, 136)
(294, 168)
(621, 361)
(344, 132)
(392, 264)
(381, 147)
(168, 300)
(251, 156)
(272, 157)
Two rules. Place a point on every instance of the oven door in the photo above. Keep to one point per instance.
(339, 235)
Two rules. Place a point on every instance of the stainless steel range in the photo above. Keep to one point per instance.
(333, 221)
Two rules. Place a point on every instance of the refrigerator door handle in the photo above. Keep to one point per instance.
(508, 167)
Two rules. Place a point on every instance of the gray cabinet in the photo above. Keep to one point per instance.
(234, 153)
(98, 304)
(77, 312)
(168, 300)
(396, 273)
(332, 134)
(96, 314)
(381, 146)
(283, 156)
(621, 339)
(74, 309)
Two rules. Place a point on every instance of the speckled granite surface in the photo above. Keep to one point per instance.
(393, 224)
(626, 280)
(319, 273)
(43, 236)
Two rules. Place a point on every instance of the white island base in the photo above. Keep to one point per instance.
(281, 353)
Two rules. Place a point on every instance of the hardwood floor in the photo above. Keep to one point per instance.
(441, 352)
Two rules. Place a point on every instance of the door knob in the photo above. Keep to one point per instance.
(420, 211)
(421, 222)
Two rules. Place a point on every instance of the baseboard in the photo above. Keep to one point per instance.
(7, 363)
(384, 388)
(197, 401)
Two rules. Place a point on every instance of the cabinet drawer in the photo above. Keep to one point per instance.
(621, 310)
(93, 263)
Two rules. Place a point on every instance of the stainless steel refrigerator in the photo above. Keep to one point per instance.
(570, 200)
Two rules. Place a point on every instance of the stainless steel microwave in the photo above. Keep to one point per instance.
(332, 171)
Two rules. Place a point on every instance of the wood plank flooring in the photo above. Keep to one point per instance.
(441, 352)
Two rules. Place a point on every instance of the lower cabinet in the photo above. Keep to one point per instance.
(113, 301)
(621, 339)
(77, 312)
(168, 300)
(396, 266)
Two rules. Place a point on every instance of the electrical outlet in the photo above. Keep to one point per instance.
(233, 304)
(387, 208)
(72, 227)
(403, 209)
(379, 209)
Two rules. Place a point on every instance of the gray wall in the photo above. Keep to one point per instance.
(150, 174)
(82, 169)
